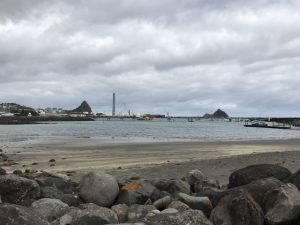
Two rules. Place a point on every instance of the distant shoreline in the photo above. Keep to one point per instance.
(19, 120)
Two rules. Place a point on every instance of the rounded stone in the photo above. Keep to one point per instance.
(99, 188)
(50, 209)
(11, 214)
(18, 190)
(2, 171)
(169, 211)
(256, 172)
(195, 176)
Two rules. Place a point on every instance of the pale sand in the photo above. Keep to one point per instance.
(169, 159)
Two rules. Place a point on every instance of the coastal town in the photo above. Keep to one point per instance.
(84, 112)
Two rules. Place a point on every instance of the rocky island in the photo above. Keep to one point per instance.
(83, 108)
(219, 114)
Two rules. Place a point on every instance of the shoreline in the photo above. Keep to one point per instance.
(218, 169)
(28, 140)
(25, 120)
(80, 155)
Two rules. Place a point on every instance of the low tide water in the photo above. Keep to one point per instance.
(143, 131)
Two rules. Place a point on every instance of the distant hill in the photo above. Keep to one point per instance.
(207, 116)
(18, 110)
(219, 114)
(84, 107)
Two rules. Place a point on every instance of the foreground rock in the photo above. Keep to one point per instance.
(237, 209)
(99, 188)
(195, 179)
(122, 212)
(137, 192)
(171, 186)
(2, 171)
(255, 172)
(190, 217)
(200, 203)
(56, 187)
(162, 203)
(257, 190)
(18, 190)
(136, 211)
(50, 209)
(282, 205)
(294, 179)
(180, 206)
(88, 214)
(11, 214)
(59, 181)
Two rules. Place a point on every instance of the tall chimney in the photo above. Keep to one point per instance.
(114, 105)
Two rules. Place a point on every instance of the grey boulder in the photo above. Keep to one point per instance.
(162, 203)
(99, 188)
(2, 171)
(180, 206)
(53, 192)
(122, 212)
(282, 205)
(196, 179)
(169, 211)
(137, 212)
(256, 188)
(172, 186)
(237, 209)
(88, 214)
(190, 217)
(295, 179)
(59, 181)
(200, 203)
(137, 192)
(130, 197)
(11, 214)
(18, 190)
(255, 172)
(50, 209)
(58, 187)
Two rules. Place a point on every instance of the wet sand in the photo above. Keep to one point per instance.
(168, 159)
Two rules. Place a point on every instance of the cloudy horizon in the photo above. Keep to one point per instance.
(183, 57)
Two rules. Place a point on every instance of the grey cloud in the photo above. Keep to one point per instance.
(183, 57)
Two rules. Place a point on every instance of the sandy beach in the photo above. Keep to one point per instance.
(167, 159)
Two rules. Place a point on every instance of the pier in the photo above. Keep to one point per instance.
(262, 124)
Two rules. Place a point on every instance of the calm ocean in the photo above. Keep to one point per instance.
(143, 131)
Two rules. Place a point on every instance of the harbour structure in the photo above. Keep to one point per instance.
(266, 124)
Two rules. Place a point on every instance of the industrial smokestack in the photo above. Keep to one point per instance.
(114, 105)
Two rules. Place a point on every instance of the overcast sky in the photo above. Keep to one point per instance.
(185, 57)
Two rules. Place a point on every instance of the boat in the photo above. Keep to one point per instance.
(169, 118)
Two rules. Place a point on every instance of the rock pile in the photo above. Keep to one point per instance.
(256, 195)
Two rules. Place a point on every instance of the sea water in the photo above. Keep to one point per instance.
(143, 131)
